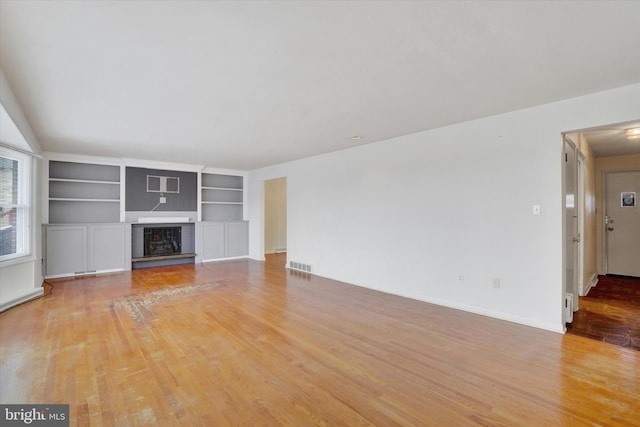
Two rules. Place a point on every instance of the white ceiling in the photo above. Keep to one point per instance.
(612, 140)
(249, 84)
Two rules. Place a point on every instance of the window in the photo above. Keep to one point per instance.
(15, 170)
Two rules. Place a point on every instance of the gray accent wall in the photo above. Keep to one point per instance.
(138, 199)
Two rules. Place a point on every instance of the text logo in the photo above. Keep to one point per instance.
(34, 415)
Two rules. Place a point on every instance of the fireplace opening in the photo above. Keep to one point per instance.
(159, 241)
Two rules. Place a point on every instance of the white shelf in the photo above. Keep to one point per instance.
(83, 181)
(223, 188)
(68, 199)
(221, 203)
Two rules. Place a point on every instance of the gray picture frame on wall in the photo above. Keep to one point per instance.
(628, 199)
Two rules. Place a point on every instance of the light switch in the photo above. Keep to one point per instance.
(536, 209)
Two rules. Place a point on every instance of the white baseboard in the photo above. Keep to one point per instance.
(558, 328)
(553, 327)
(224, 259)
(6, 305)
(86, 273)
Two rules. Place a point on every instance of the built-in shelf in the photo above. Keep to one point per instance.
(223, 188)
(222, 203)
(85, 181)
(78, 171)
(83, 192)
(80, 199)
(222, 197)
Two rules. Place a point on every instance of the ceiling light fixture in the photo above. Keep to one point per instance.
(633, 133)
(357, 137)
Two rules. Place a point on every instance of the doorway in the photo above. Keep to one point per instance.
(609, 309)
(275, 216)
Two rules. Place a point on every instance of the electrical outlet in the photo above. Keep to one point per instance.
(163, 200)
(460, 277)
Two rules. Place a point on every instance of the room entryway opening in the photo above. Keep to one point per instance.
(275, 217)
(605, 279)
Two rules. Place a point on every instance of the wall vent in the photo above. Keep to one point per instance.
(294, 265)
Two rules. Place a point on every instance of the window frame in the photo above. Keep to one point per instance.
(23, 205)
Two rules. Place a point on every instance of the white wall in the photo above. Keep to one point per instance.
(21, 279)
(408, 215)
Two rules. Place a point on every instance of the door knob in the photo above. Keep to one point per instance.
(610, 228)
(576, 239)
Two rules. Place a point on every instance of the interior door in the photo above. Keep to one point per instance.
(572, 236)
(622, 223)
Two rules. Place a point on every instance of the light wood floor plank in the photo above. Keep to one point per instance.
(248, 343)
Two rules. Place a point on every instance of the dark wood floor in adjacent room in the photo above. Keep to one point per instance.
(610, 312)
(243, 343)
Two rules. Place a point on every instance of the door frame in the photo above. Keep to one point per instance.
(574, 286)
(603, 225)
(581, 215)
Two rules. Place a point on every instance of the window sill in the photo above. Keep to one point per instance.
(21, 259)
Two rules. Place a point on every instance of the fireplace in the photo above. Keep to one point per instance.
(154, 245)
(161, 241)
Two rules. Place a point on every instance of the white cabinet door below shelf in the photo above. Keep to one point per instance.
(236, 239)
(220, 240)
(66, 250)
(106, 247)
(212, 240)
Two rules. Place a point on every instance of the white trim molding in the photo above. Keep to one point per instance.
(6, 305)
(592, 283)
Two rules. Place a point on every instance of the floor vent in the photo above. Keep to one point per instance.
(294, 265)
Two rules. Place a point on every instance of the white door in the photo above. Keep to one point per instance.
(622, 223)
(572, 236)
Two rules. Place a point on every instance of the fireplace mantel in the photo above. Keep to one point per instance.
(163, 220)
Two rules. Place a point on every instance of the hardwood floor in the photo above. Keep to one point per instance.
(248, 343)
(611, 312)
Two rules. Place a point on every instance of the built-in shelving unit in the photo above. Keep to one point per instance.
(86, 229)
(222, 197)
(83, 192)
